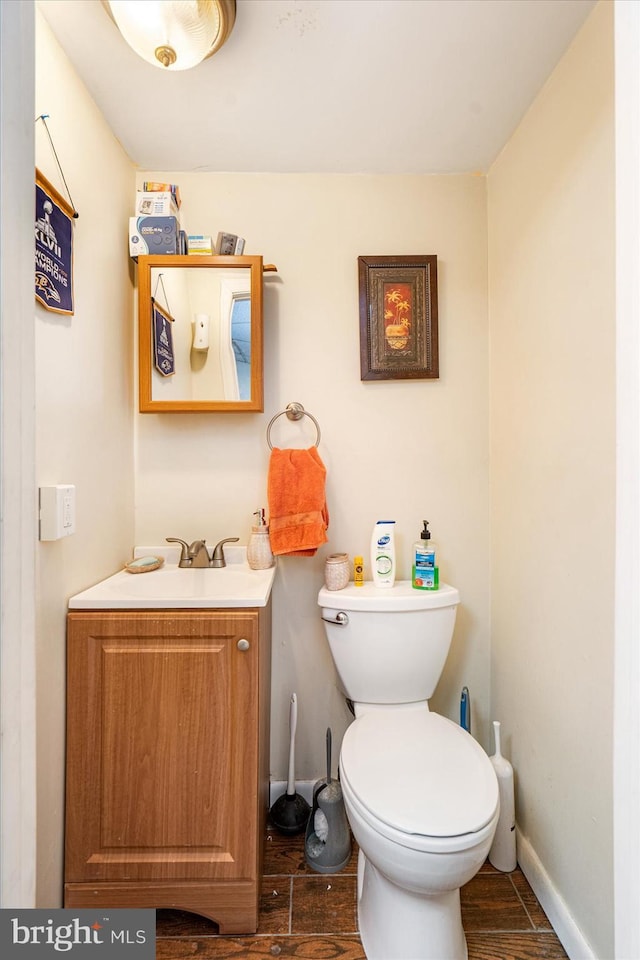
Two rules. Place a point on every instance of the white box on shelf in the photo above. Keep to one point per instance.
(155, 204)
(200, 243)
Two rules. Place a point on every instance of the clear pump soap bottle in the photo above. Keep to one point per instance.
(259, 555)
(424, 572)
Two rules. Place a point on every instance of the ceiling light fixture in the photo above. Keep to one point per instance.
(173, 34)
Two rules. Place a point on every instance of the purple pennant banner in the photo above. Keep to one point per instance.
(163, 355)
(54, 254)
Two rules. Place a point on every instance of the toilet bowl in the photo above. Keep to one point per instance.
(420, 793)
(422, 831)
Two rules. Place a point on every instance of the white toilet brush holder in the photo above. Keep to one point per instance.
(502, 854)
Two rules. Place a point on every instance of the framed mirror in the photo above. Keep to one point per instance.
(200, 334)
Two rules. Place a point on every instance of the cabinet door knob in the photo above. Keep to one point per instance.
(243, 644)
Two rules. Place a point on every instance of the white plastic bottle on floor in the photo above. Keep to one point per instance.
(503, 849)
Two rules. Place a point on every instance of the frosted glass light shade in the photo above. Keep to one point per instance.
(173, 34)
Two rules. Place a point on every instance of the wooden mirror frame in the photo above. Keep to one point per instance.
(145, 342)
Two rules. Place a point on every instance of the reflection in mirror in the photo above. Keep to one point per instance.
(200, 333)
(201, 304)
(241, 343)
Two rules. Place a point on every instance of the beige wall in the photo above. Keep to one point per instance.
(401, 449)
(84, 403)
(552, 330)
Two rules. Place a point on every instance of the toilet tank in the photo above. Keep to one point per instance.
(389, 645)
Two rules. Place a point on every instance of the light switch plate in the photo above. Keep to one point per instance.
(57, 511)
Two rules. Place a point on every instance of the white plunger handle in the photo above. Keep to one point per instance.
(496, 736)
(293, 722)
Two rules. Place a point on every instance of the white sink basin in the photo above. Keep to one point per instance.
(171, 587)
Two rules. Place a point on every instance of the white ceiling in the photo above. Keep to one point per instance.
(330, 86)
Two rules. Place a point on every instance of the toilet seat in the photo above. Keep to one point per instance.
(415, 774)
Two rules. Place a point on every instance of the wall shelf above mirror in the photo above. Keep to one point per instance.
(200, 334)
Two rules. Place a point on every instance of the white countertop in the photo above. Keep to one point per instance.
(172, 587)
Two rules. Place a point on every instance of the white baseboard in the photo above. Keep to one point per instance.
(303, 787)
(552, 903)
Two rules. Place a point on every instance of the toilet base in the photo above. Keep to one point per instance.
(396, 924)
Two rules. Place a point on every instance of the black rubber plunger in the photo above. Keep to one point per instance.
(290, 812)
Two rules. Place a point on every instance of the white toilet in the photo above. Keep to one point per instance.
(420, 793)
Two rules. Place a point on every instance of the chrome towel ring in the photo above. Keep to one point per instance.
(293, 411)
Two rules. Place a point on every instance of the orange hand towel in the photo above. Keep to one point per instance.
(298, 515)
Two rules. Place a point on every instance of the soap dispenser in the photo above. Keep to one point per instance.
(424, 573)
(259, 555)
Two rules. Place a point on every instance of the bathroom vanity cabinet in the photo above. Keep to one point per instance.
(167, 760)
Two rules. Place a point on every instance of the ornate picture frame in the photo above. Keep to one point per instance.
(398, 318)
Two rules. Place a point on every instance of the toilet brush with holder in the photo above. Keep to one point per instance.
(290, 812)
(502, 854)
(327, 844)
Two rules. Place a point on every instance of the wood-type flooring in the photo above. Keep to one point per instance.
(305, 915)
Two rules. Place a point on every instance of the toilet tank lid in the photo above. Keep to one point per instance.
(401, 596)
(419, 773)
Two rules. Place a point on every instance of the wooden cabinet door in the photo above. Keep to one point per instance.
(162, 744)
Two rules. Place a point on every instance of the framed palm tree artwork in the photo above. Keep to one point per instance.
(398, 318)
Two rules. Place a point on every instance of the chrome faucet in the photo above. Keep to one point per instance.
(218, 560)
(192, 555)
(196, 554)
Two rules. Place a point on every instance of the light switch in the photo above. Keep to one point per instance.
(57, 511)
